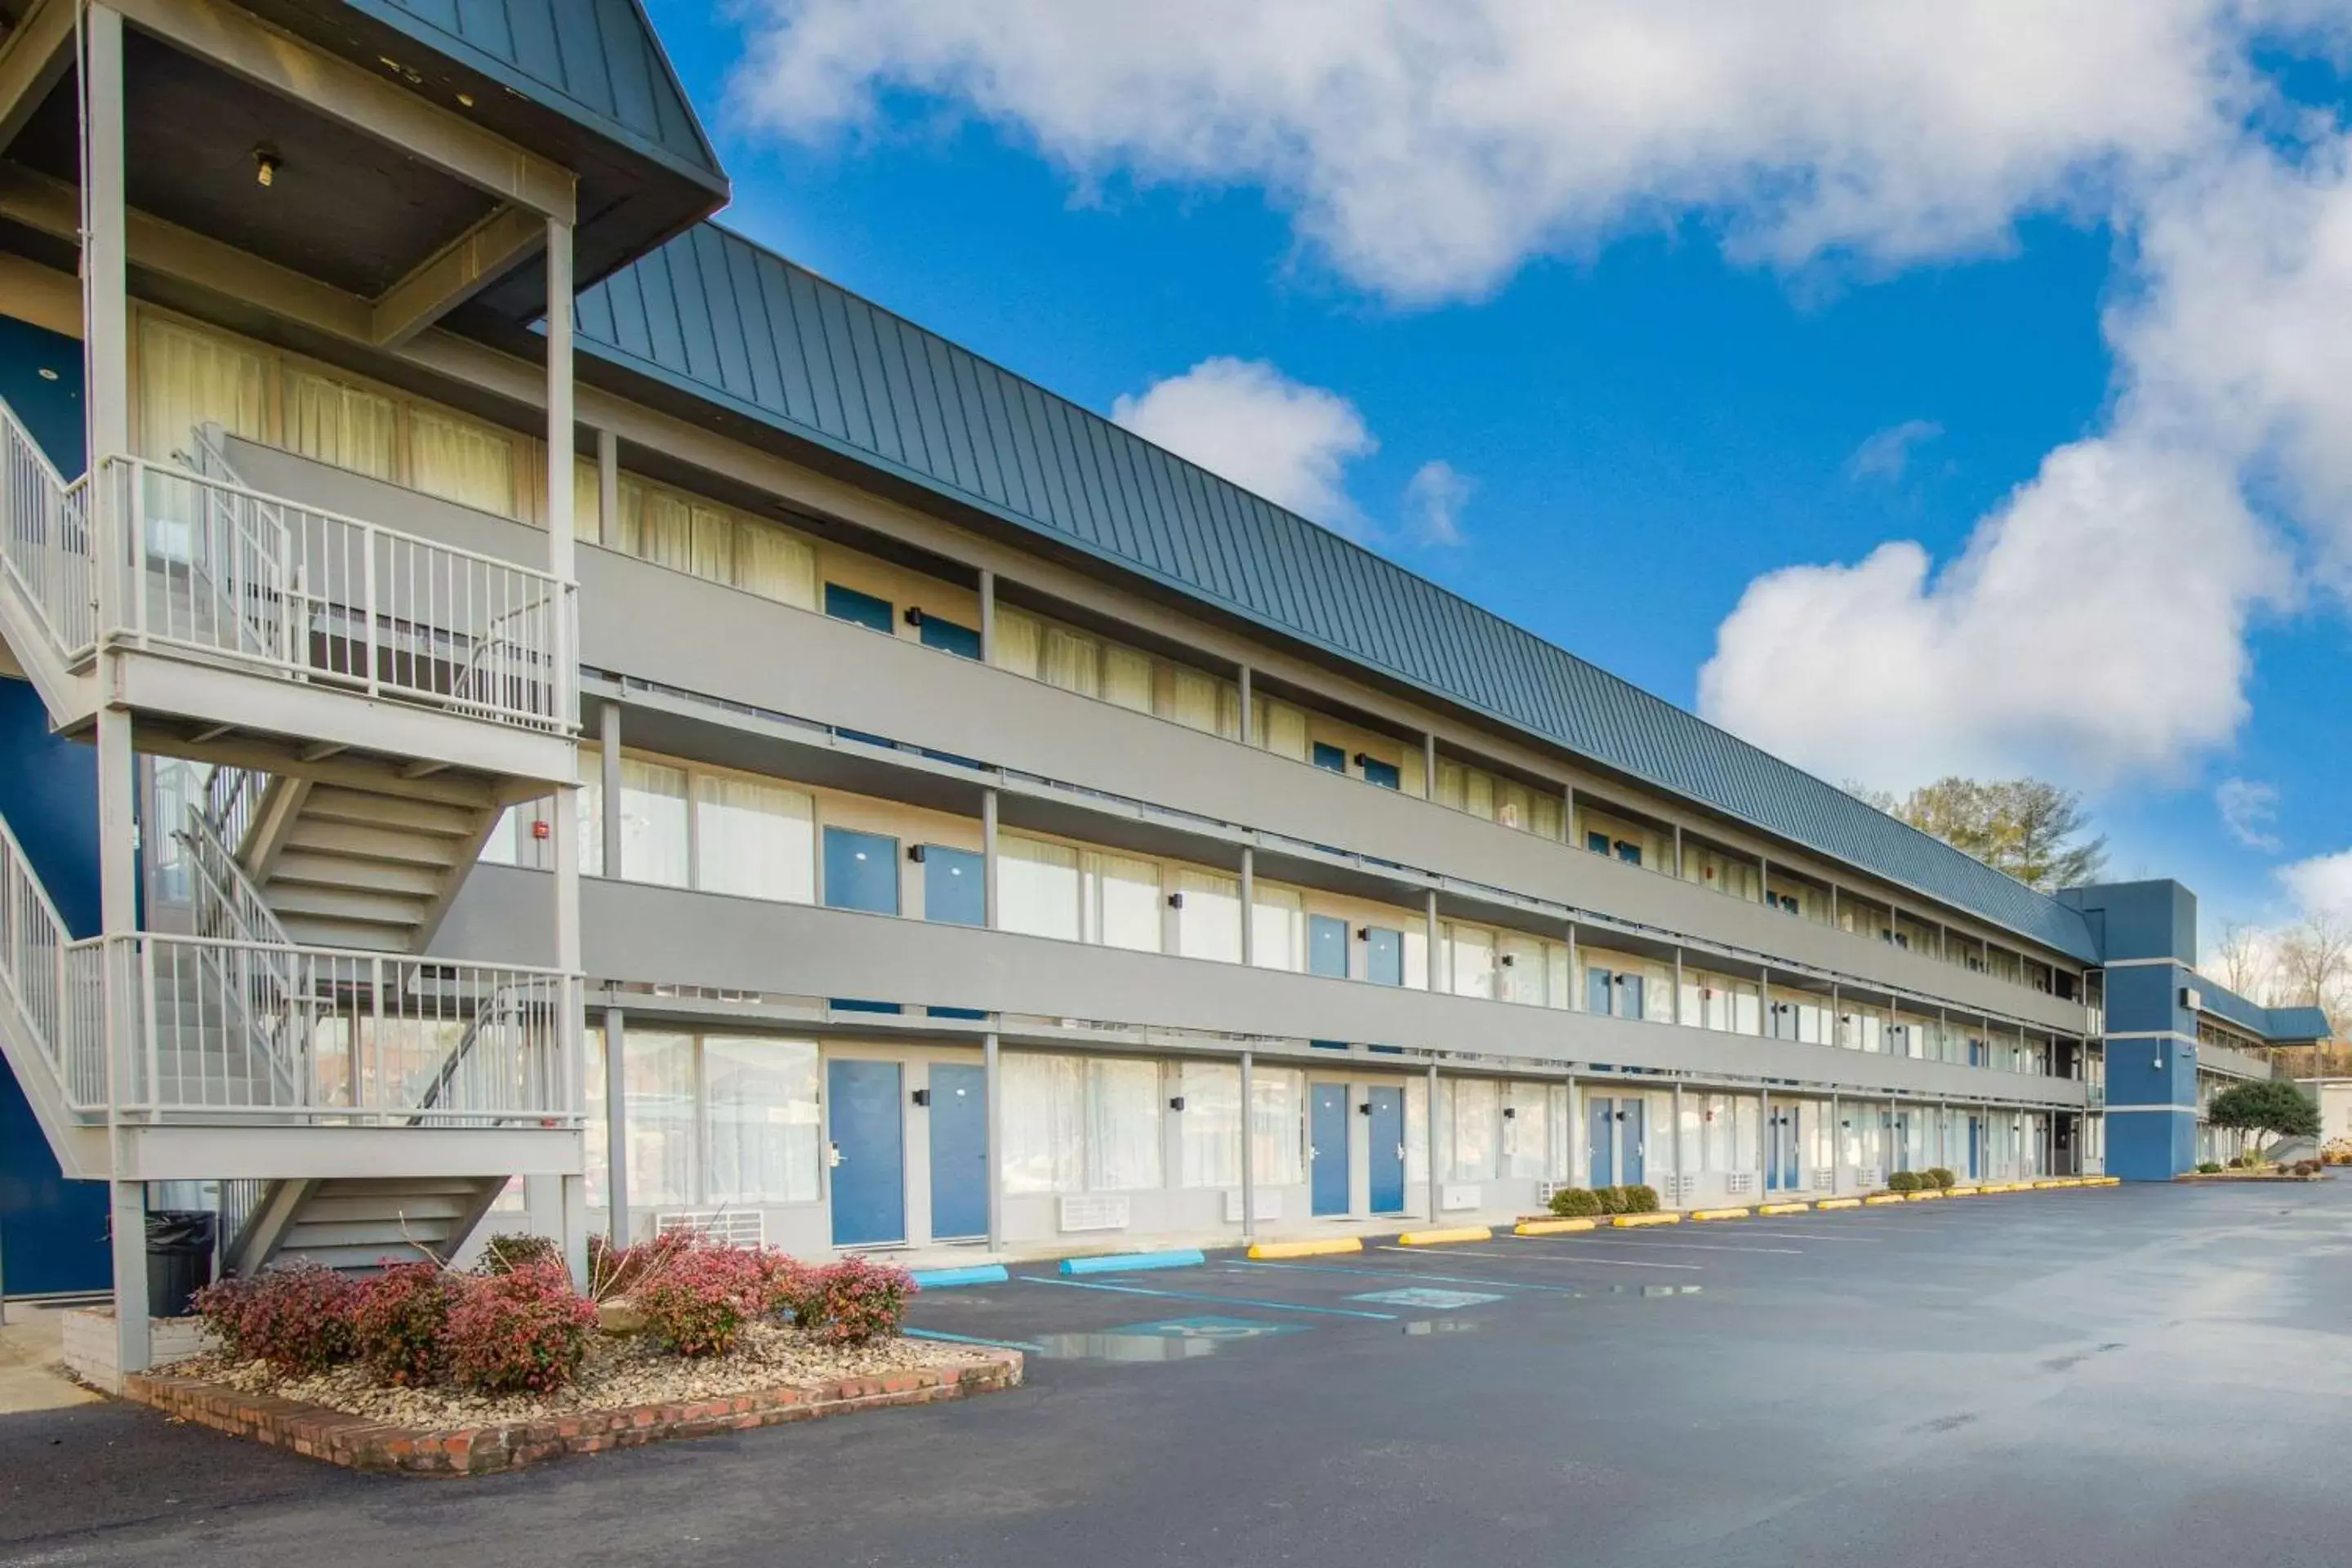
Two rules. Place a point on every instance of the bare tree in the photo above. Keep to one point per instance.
(2314, 963)
(2243, 962)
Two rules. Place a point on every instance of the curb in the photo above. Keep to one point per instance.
(1322, 1248)
(1718, 1214)
(1829, 1204)
(1126, 1262)
(1783, 1209)
(1924, 1197)
(1440, 1237)
(1876, 1199)
(1629, 1221)
(1551, 1226)
(947, 1279)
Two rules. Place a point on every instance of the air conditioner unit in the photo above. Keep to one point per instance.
(1267, 1204)
(734, 1227)
(2191, 998)
(1457, 1195)
(1095, 1211)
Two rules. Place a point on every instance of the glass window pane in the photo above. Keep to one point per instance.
(955, 885)
(762, 1100)
(1209, 1125)
(754, 838)
(1281, 728)
(1520, 974)
(1045, 1122)
(1527, 1131)
(1277, 928)
(860, 609)
(1040, 892)
(1327, 952)
(861, 871)
(1209, 925)
(1278, 1127)
(661, 1074)
(950, 637)
(653, 824)
(1475, 1111)
(1122, 1125)
(1470, 956)
(1123, 901)
(188, 378)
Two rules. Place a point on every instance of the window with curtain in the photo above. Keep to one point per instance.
(1470, 961)
(1716, 1148)
(1277, 1126)
(1073, 661)
(463, 460)
(1037, 887)
(347, 425)
(1277, 927)
(1417, 1132)
(1020, 642)
(1520, 971)
(1527, 1131)
(1471, 1109)
(654, 834)
(660, 1075)
(762, 1119)
(754, 838)
(188, 378)
(1209, 925)
(1126, 676)
(657, 525)
(1045, 1122)
(1199, 701)
(1122, 901)
(1209, 1125)
(775, 565)
(1280, 727)
(1122, 1125)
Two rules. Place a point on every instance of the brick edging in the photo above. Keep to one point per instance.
(358, 1443)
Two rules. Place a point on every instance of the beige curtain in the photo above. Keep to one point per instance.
(775, 565)
(1020, 642)
(188, 378)
(657, 526)
(343, 425)
(462, 461)
(754, 838)
(1122, 901)
(1126, 678)
(1281, 728)
(1073, 661)
(714, 544)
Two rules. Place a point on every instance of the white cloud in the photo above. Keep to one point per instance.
(2249, 811)
(2322, 884)
(1887, 454)
(2093, 625)
(1434, 500)
(1289, 442)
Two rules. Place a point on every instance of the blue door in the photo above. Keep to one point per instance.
(1780, 1163)
(869, 1152)
(1384, 956)
(958, 1151)
(1600, 1141)
(1327, 1140)
(1327, 946)
(1629, 1133)
(865, 610)
(955, 885)
(1387, 1136)
(861, 871)
(950, 637)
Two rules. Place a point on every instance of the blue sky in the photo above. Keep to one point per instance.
(1682, 375)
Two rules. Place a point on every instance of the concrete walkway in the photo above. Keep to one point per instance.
(32, 1350)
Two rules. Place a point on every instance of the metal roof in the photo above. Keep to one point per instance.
(715, 316)
(2270, 1023)
(600, 60)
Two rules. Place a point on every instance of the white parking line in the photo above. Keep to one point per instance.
(1531, 1256)
(1686, 1246)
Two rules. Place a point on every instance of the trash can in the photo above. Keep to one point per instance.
(179, 1259)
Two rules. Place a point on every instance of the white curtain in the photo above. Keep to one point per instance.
(462, 461)
(1127, 677)
(1281, 728)
(1478, 793)
(1416, 1136)
(188, 378)
(1122, 1125)
(1560, 986)
(343, 425)
(1277, 1126)
(1527, 1131)
(1020, 642)
(1122, 901)
(1470, 961)
(1073, 661)
(1209, 1125)
(763, 1121)
(1545, 823)
(654, 833)
(1044, 1122)
(1514, 805)
(775, 565)
(754, 838)
(1523, 978)
(660, 1075)
(714, 544)
(1210, 923)
(1449, 784)
(1277, 927)
(1416, 956)
(1037, 887)
(1471, 1116)
(657, 526)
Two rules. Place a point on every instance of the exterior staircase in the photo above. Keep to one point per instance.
(360, 1223)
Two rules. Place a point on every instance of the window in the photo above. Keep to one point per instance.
(654, 834)
(1383, 956)
(1332, 759)
(1327, 946)
(1597, 842)
(1527, 1130)
(1613, 992)
(1278, 929)
(955, 885)
(948, 637)
(1128, 676)
(751, 838)
(1039, 895)
(1384, 774)
(1211, 1125)
(1470, 961)
(1122, 901)
(762, 1119)
(1044, 1119)
(1209, 924)
(1280, 728)
(462, 461)
(1122, 1125)
(659, 1069)
(861, 871)
(860, 609)
(1628, 852)
(1471, 1116)
(1521, 969)
(1498, 799)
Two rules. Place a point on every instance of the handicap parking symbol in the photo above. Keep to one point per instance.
(1442, 1301)
(1211, 1328)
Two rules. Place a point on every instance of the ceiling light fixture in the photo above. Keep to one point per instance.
(264, 167)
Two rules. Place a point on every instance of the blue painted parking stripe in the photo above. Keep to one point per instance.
(1415, 1274)
(1120, 1262)
(976, 1274)
(1220, 1300)
(970, 1340)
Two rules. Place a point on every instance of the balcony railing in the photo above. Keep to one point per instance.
(45, 543)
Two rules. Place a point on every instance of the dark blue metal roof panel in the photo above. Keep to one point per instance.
(598, 60)
(2276, 1024)
(938, 416)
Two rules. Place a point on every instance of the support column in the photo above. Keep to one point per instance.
(616, 1124)
(1578, 1164)
(1678, 850)
(1436, 955)
(1568, 814)
(1249, 1154)
(1429, 766)
(987, 616)
(988, 885)
(105, 255)
(1678, 1014)
(1682, 1178)
(1249, 914)
(1763, 1144)
(1429, 1136)
(608, 489)
(561, 503)
(992, 1085)
(1249, 712)
(1837, 1146)
(1575, 990)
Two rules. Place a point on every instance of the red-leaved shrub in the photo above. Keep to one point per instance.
(698, 1301)
(398, 1321)
(617, 1270)
(524, 1329)
(854, 1300)
(297, 1317)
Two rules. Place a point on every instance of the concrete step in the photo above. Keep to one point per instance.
(308, 867)
(398, 846)
(367, 808)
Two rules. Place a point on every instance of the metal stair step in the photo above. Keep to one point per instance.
(371, 1187)
(374, 841)
(422, 1208)
(368, 808)
(347, 903)
(316, 868)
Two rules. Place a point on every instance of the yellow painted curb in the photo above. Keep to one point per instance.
(2040, 1186)
(1877, 1198)
(1924, 1197)
(1316, 1248)
(2107, 1181)
(1552, 1227)
(1961, 1192)
(1628, 1221)
(1839, 1203)
(1783, 1208)
(1718, 1214)
(1438, 1237)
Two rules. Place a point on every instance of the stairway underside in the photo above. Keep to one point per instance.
(359, 1223)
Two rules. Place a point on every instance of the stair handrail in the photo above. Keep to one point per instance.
(231, 795)
(493, 638)
(504, 1003)
(30, 926)
(45, 543)
(228, 906)
(258, 525)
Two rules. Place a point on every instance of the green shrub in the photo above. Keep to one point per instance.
(2240, 1163)
(1575, 1202)
(1639, 1199)
(1903, 1182)
(1940, 1178)
(1611, 1199)
(2209, 1168)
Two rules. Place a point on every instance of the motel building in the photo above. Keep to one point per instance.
(525, 710)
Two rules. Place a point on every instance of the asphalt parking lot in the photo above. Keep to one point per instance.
(2136, 1376)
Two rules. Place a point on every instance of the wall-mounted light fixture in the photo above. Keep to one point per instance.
(915, 853)
(265, 164)
(914, 615)
(922, 1097)
(1175, 901)
(1175, 1102)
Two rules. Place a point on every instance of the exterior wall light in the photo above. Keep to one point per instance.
(265, 164)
